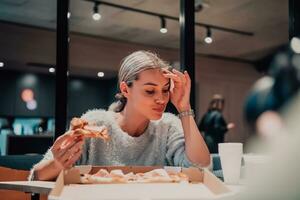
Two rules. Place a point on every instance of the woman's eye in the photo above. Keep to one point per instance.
(165, 91)
(149, 92)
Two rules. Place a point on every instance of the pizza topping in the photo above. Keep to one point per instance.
(82, 128)
(117, 176)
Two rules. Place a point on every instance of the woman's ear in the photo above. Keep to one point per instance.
(124, 89)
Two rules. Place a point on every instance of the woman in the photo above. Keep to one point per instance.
(213, 124)
(141, 133)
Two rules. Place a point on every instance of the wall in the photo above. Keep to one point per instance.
(231, 79)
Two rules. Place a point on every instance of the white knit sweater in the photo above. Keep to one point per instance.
(161, 144)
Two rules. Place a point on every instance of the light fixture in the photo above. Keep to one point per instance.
(69, 15)
(96, 15)
(208, 39)
(100, 74)
(51, 69)
(163, 28)
(31, 105)
(27, 95)
(1, 64)
(295, 44)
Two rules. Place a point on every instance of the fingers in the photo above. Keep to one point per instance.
(63, 143)
(188, 80)
(180, 75)
(73, 159)
(176, 76)
(67, 156)
(172, 76)
(71, 140)
(61, 139)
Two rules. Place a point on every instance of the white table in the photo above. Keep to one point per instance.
(44, 187)
(34, 187)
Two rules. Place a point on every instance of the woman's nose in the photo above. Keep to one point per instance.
(160, 99)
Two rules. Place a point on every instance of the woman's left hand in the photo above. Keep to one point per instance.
(180, 94)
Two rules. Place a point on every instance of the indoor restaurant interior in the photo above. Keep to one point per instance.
(125, 86)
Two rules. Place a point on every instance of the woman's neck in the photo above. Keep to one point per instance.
(132, 122)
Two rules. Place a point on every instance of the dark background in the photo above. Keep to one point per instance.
(83, 94)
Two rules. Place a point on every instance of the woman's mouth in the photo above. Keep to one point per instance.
(159, 109)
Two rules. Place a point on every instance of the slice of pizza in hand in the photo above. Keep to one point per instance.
(92, 132)
(97, 132)
(78, 123)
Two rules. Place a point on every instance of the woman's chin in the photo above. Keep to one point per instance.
(156, 116)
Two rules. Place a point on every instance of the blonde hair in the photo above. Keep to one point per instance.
(131, 66)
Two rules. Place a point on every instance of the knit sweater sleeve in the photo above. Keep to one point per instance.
(47, 156)
(176, 155)
(90, 116)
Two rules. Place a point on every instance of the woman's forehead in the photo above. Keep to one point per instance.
(154, 76)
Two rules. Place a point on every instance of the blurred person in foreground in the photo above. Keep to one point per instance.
(141, 133)
(213, 125)
(276, 121)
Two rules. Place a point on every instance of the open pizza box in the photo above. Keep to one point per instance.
(202, 184)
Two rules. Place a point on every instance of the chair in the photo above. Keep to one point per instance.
(16, 168)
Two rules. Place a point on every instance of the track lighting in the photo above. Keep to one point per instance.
(163, 27)
(51, 69)
(100, 74)
(208, 39)
(96, 15)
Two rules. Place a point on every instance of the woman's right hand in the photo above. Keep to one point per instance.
(67, 150)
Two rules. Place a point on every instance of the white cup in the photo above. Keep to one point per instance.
(231, 160)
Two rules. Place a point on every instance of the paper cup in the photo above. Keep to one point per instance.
(231, 159)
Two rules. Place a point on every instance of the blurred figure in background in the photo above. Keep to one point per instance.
(213, 124)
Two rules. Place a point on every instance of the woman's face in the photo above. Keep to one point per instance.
(149, 94)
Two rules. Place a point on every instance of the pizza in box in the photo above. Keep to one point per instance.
(117, 176)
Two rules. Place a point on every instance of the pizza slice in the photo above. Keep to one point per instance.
(82, 128)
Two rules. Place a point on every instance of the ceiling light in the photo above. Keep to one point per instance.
(27, 95)
(69, 15)
(96, 15)
(100, 74)
(1, 64)
(31, 105)
(208, 39)
(51, 69)
(295, 44)
(163, 27)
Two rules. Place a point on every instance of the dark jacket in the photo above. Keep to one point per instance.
(214, 127)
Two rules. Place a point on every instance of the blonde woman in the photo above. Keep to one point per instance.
(141, 132)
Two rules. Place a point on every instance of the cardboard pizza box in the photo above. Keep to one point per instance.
(202, 183)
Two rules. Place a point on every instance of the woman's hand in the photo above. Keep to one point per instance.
(66, 150)
(180, 94)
